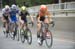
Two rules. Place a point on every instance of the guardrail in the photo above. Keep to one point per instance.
(67, 9)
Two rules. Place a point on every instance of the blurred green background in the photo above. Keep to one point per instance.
(27, 2)
(30, 3)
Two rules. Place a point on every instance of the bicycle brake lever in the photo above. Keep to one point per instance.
(53, 24)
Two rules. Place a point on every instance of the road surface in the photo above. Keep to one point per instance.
(63, 37)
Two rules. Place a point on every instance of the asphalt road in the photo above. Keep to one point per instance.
(8, 43)
(63, 36)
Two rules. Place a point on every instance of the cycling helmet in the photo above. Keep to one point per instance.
(23, 8)
(7, 7)
(14, 6)
(43, 8)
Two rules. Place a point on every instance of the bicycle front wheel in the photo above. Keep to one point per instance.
(48, 39)
(17, 35)
(22, 36)
(29, 36)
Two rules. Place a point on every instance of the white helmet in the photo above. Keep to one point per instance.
(7, 7)
(13, 6)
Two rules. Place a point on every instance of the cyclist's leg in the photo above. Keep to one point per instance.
(21, 24)
(4, 27)
(39, 26)
(38, 29)
(3, 20)
(5, 23)
(7, 27)
(25, 23)
(16, 24)
(16, 27)
(12, 26)
(25, 28)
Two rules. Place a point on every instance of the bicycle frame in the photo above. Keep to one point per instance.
(44, 26)
(13, 27)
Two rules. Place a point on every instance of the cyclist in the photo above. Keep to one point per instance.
(43, 16)
(5, 17)
(13, 17)
(23, 16)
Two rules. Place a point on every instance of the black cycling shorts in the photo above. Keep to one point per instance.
(6, 18)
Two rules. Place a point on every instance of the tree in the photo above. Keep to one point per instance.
(28, 2)
(14, 1)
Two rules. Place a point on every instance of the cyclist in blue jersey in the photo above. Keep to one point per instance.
(13, 17)
(13, 13)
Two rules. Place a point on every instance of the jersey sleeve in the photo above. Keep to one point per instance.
(2, 11)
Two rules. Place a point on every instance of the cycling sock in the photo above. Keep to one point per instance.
(38, 35)
(15, 33)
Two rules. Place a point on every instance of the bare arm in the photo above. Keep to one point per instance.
(31, 18)
(49, 16)
(38, 18)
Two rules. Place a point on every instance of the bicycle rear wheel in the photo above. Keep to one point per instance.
(29, 36)
(48, 39)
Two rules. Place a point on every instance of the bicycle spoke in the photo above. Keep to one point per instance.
(29, 36)
(48, 39)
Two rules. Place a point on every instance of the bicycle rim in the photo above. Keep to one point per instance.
(48, 39)
(22, 36)
(17, 35)
(29, 36)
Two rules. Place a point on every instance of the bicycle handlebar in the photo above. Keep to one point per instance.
(53, 23)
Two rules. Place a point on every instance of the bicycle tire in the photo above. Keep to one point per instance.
(29, 36)
(22, 36)
(49, 45)
(17, 35)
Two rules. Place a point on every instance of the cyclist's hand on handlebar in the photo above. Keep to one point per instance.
(53, 23)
